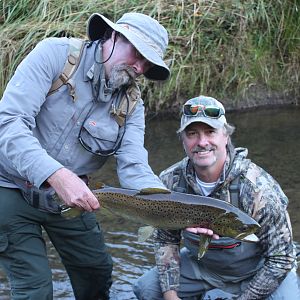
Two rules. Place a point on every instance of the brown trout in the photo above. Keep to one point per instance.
(173, 210)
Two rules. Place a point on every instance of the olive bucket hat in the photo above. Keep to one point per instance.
(143, 32)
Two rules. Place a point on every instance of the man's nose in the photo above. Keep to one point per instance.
(202, 140)
(141, 66)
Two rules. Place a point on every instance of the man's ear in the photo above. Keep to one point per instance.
(114, 35)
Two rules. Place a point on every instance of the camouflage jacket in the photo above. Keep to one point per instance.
(260, 196)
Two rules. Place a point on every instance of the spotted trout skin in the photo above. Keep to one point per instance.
(176, 210)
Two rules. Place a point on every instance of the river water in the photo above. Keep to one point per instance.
(272, 136)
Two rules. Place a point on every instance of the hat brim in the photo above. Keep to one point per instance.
(98, 24)
(214, 123)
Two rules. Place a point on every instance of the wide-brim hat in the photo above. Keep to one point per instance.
(143, 32)
(203, 101)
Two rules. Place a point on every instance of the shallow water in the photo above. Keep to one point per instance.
(273, 139)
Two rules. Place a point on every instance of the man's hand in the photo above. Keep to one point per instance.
(205, 231)
(72, 190)
(171, 295)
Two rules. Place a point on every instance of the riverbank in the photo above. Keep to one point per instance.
(236, 51)
(259, 98)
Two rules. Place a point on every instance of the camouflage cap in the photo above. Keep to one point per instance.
(203, 109)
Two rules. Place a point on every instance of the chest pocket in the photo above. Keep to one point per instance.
(100, 132)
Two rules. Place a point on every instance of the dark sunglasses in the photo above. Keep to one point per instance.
(213, 112)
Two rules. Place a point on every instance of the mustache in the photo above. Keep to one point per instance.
(125, 68)
(122, 75)
(200, 149)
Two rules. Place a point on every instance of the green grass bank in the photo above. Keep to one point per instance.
(245, 53)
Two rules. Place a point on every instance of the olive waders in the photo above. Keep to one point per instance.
(79, 242)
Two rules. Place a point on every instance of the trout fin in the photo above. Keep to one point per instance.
(203, 245)
(252, 238)
(149, 191)
(71, 212)
(99, 185)
(144, 233)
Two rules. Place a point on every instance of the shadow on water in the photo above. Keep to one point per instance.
(272, 137)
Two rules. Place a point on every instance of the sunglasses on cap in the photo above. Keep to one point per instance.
(209, 111)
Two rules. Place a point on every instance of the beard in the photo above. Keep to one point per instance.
(121, 75)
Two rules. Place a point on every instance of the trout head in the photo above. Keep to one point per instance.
(246, 232)
(239, 226)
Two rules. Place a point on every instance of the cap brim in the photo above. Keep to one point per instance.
(98, 24)
(214, 123)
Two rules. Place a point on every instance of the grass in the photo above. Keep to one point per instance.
(224, 49)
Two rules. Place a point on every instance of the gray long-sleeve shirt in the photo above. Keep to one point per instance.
(39, 133)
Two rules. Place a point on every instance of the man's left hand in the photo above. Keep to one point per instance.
(205, 231)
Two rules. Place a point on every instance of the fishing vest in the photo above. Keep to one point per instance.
(128, 102)
(226, 258)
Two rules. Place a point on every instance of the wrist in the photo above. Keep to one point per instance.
(56, 176)
(170, 295)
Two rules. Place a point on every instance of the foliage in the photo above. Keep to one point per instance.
(218, 48)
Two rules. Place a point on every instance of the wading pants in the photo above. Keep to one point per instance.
(193, 287)
(79, 242)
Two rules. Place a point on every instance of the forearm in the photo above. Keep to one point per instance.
(168, 259)
(167, 262)
(22, 155)
(268, 279)
(20, 151)
(276, 242)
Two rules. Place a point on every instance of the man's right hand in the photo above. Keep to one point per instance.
(72, 190)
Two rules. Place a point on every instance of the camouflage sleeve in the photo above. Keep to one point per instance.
(167, 243)
(269, 209)
(167, 246)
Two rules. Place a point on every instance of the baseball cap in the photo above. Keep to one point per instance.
(143, 32)
(203, 109)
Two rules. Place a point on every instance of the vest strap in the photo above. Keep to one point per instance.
(234, 190)
(75, 51)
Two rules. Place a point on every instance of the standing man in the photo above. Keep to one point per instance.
(213, 167)
(51, 141)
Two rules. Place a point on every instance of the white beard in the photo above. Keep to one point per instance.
(121, 75)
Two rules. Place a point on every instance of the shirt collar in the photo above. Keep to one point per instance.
(89, 67)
